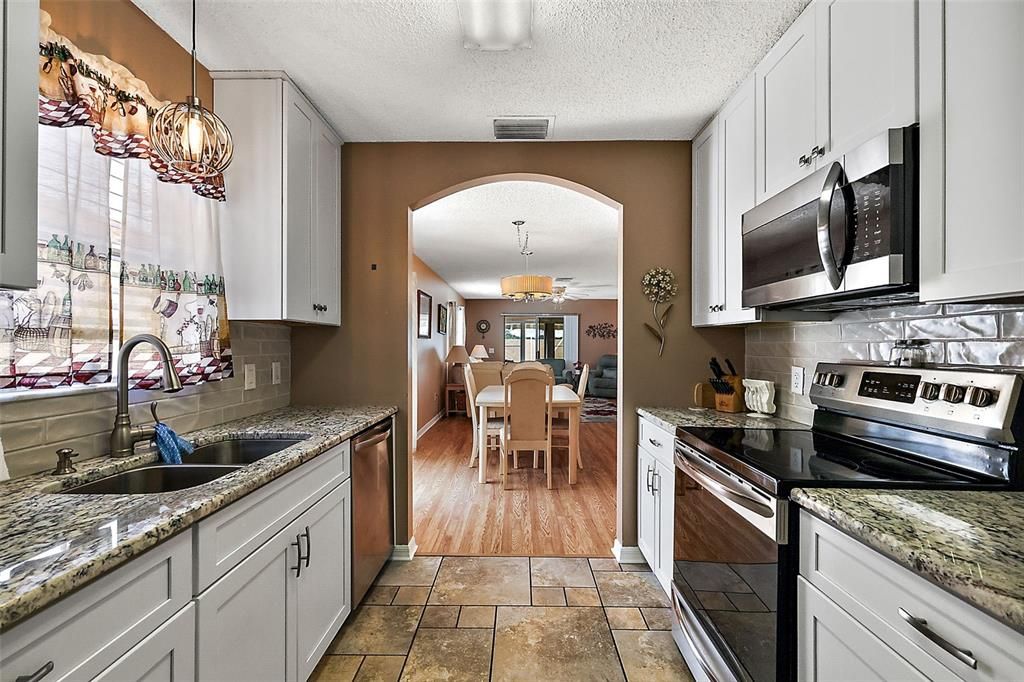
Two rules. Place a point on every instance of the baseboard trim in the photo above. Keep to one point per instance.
(627, 555)
(404, 552)
(426, 427)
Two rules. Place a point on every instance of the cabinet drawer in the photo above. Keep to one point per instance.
(230, 535)
(167, 655)
(658, 442)
(873, 589)
(91, 628)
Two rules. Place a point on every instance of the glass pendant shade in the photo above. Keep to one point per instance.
(527, 287)
(191, 138)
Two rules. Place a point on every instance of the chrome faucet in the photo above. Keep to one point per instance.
(124, 436)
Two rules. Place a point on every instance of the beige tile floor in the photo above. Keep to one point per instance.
(508, 618)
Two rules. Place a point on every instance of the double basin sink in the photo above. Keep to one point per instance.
(206, 463)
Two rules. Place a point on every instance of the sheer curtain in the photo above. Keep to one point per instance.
(571, 339)
(59, 333)
(172, 282)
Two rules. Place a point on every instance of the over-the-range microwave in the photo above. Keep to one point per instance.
(844, 237)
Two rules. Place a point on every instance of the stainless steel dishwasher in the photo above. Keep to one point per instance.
(372, 525)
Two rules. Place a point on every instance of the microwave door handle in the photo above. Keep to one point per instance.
(835, 178)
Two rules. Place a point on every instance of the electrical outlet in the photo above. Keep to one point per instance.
(250, 377)
(796, 380)
(275, 373)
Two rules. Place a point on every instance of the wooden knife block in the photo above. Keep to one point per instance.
(731, 402)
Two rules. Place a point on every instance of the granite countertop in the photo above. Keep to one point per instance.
(672, 418)
(53, 544)
(969, 542)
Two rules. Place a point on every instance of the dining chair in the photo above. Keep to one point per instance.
(527, 419)
(493, 423)
(562, 424)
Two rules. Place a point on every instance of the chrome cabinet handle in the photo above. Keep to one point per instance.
(833, 180)
(804, 160)
(654, 442)
(655, 489)
(298, 562)
(649, 472)
(37, 675)
(817, 151)
(309, 547)
(921, 625)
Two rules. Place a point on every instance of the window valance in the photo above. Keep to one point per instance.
(81, 89)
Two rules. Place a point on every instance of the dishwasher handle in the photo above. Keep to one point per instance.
(372, 436)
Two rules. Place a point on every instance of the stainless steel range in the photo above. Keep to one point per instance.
(734, 582)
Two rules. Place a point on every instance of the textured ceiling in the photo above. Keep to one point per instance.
(395, 70)
(469, 240)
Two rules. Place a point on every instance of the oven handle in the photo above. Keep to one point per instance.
(835, 178)
(698, 652)
(722, 487)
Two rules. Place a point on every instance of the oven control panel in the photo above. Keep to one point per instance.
(963, 400)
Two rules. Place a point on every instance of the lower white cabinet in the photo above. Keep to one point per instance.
(167, 655)
(656, 501)
(273, 615)
(834, 646)
(863, 616)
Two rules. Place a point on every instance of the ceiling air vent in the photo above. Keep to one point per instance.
(563, 279)
(522, 127)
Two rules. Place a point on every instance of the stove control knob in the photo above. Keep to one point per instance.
(951, 393)
(929, 391)
(979, 397)
(820, 378)
(833, 380)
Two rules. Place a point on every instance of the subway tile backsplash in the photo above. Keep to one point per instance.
(33, 429)
(971, 334)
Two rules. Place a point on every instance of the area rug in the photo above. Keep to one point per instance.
(598, 410)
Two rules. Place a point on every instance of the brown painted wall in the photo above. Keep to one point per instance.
(590, 312)
(365, 360)
(430, 353)
(121, 31)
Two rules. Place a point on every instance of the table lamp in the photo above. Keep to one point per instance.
(479, 352)
(457, 355)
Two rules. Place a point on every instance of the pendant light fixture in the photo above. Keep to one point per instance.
(189, 137)
(526, 287)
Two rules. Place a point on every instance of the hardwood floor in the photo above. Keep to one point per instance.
(456, 515)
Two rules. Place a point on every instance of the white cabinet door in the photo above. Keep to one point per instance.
(246, 620)
(972, 145)
(867, 71)
(301, 122)
(327, 227)
(833, 647)
(785, 84)
(647, 511)
(324, 586)
(705, 257)
(167, 655)
(737, 123)
(19, 112)
(664, 491)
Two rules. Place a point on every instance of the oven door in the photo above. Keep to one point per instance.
(729, 537)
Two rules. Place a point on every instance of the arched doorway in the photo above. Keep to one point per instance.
(420, 417)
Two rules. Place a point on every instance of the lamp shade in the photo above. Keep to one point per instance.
(527, 287)
(479, 352)
(457, 354)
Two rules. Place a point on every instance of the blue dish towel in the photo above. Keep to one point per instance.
(170, 445)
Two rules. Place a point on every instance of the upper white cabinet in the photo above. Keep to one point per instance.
(787, 101)
(844, 72)
(19, 112)
(972, 142)
(281, 223)
(723, 190)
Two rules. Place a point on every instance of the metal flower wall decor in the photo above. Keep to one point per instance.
(660, 287)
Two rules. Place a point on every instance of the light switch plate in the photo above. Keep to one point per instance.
(250, 377)
(796, 380)
(275, 373)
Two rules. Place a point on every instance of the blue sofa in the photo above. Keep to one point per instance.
(604, 379)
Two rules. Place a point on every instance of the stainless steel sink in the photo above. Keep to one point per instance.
(157, 478)
(245, 451)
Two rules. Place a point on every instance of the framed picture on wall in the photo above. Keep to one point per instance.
(442, 318)
(423, 314)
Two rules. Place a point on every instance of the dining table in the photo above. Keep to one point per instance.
(491, 399)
